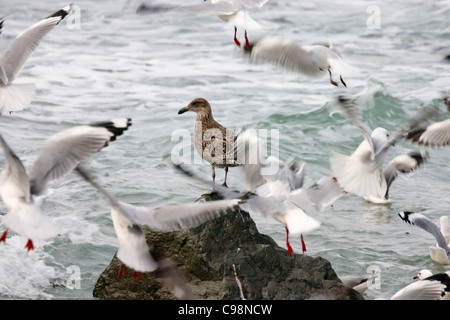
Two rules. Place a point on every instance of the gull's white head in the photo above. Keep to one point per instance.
(424, 273)
(379, 136)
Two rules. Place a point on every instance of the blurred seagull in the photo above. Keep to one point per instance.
(441, 252)
(128, 220)
(434, 287)
(361, 173)
(16, 97)
(435, 135)
(233, 12)
(312, 61)
(279, 188)
(59, 155)
(213, 142)
(359, 283)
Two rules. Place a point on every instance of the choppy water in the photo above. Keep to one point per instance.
(147, 66)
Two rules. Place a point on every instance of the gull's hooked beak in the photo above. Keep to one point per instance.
(183, 110)
(416, 277)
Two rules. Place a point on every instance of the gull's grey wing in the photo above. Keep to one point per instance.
(183, 216)
(348, 106)
(14, 179)
(421, 221)
(420, 120)
(287, 54)
(321, 194)
(404, 163)
(66, 149)
(133, 249)
(14, 57)
(435, 135)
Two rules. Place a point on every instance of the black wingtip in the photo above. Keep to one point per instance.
(419, 157)
(61, 13)
(2, 20)
(114, 126)
(404, 215)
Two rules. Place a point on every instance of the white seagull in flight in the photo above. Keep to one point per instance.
(60, 154)
(16, 97)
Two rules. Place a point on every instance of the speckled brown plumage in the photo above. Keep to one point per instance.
(214, 142)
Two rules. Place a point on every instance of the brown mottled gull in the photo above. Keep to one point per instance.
(214, 142)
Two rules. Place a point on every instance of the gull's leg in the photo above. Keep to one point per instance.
(247, 43)
(122, 271)
(235, 39)
(137, 275)
(213, 190)
(342, 80)
(303, 244)
(3, 237)
(225, 180)
(288, 245)
(29, 245)
(334, 83)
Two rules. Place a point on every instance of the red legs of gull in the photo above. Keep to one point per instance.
(235, 39)
(3, 237)
(342, 80)
(247, 43)
(29, 245)
(137, 275)
(303, 244)
(123, 270)
(288, 245)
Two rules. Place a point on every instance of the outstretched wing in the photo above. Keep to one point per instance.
(14, 183)
(15, 56)
(66, 149)
(421, 221)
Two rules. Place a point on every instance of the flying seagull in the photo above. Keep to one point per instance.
(313, 61)
(234, 12)
(128, 221)
(60, 154)
(16, 97)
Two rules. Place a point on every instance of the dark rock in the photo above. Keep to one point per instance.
(205, 256)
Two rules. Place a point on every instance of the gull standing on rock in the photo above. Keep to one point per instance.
(313, 61)
(128, 220)
(361, 173)
(60, 154)
(16, 97)
(214, 142)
